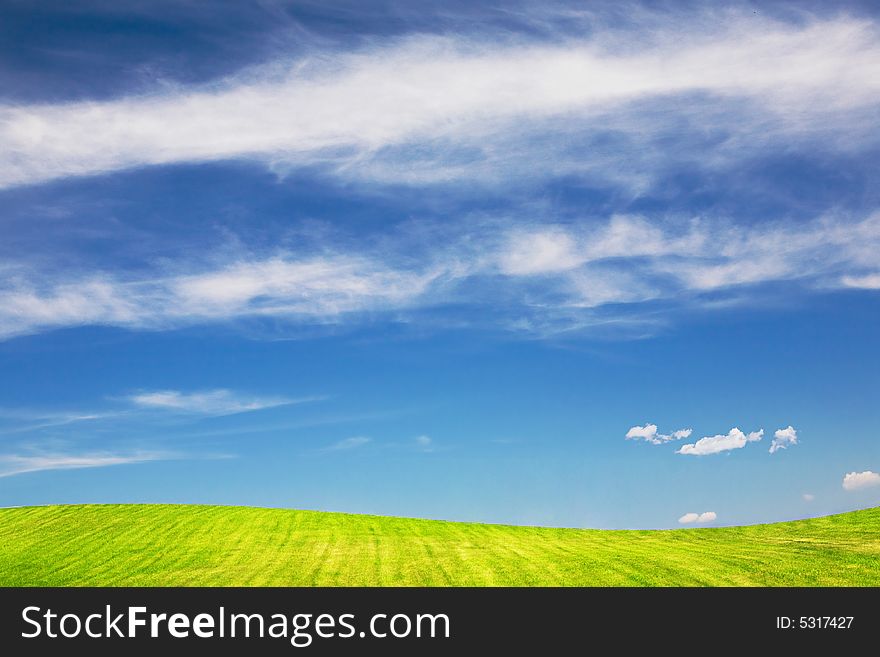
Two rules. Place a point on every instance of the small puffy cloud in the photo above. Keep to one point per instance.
(425, 443)
(783, 438)
(209, 402)
(649, 434)
(859, 480)
(734, 439)
(348, 443)
(808, 497)
(690, 518)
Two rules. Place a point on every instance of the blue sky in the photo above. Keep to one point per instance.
(612, 266)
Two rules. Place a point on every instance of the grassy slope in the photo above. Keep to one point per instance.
(117, 545)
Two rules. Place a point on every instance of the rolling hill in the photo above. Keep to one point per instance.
(169, 545)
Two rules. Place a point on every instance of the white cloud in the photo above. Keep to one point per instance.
(734, 439)
(808, 497)
(27, 420)
(209, 402)
(317, 289)
(859, 480)
(628, 260)
(690, 518)
(718, 257)
(348, 443)
(783, 438)
(649, 434)
(13, 464)
(584, 270)
(323, 286)
(425, 443)
(67, 304)
(866, 282)
(540, 252)
(352, 107)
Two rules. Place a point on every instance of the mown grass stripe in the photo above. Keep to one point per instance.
(165, 545)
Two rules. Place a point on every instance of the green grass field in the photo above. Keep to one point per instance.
(165, 545)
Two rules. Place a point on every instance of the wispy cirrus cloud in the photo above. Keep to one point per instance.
(323, 286)
(865, 282)
(208, 402)
(347, 444)
(14, 464)
(25, 420)
(701, 255)
(304, 289)
(412, 103)
(529, 277)
(60, 444)
(609, 103)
